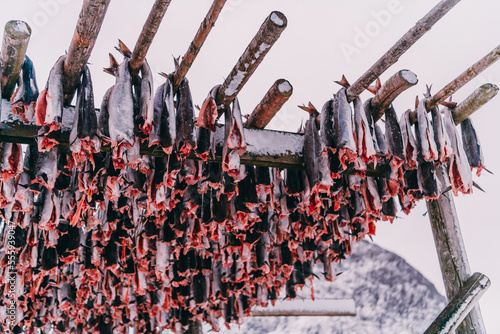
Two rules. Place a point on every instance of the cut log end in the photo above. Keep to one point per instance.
(18, 29)
(474, 102)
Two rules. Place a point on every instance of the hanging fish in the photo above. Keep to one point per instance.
(328, 126)
(425, 134)
(458, 166)
(428, 183)
(410, 145)
(103, 122)
(163, 130)
(234, 141)
(207, 125)
(394, 137)
(364, 139)
(11, 162)
(184, 140)
(24, 98)
(472, 147)
(46, 171)
(342, 114)
(49, 105)
(146, 99)
(383, 148)
(83, 137)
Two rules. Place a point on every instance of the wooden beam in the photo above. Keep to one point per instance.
(308, 308)
(464, 78)
(255, 52)
(200, 37)
(391, 89)
(473, 102)
(14, 44)
(458, 308)
(451, 250)
(272, 102)
(400, 47)
(87, 28)
(147, 35)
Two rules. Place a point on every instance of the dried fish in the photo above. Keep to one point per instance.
(364, 135)
(410, 145)
(184, 140)
(146, 99)
(394, 137)
(425, 135)
(471, 145)
(346, 145)
(234, 141)
(206, 126)
(49, 104)
(24, 98)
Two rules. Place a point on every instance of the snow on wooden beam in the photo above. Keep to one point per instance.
(14, 44)
(402, 45)
(308, 308)
(473, 102)
(451, 250)
(255, 52)
(458, 308)
(464, 78)
(202, 34)
(87, 28)
(272, 102)
(147, 35)
(391, 89)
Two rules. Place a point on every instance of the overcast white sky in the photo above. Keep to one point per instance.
(323, 40)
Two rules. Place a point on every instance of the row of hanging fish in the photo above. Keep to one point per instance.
(118, 240)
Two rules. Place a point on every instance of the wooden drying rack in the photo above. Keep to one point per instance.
(459, 283)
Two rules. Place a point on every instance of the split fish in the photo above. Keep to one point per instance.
(234, 141)
(146, 99)
(49, 105)
(207, 125)
(410, 145)
(346, 145)
(425, 135)
(24, 98)
(394, 137)
(472, 146)
(184, 140)
(163, 130)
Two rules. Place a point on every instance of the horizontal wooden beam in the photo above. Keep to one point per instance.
(87, 28)
(308, 308)
(460, 306)
(14, 44)
(474, 102)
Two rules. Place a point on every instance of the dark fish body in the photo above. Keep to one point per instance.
(394, 136)
(25, 97)
(428, 183)
(206, 126)
(472, 146)
(425, 135)
(185, 141)
(409, 142)
(312, 151)
(164, 123)
(103, 122)
(342, 114)
(441, 138)
(328, 126)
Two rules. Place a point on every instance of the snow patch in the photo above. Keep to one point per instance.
(235, 83)
(22, 27)
(311, 307)
(263, 47)
(409, 76)
(284, 87)
(277, 20)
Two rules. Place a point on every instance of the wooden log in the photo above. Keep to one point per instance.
(200, 37)
(308, 308)
(473, 102)
(400, 47)
(464, 78)
(394, 86)
(147, 35)
(14, 44)
(272, 102)
(87, 28)
(458, 308)
(255, 52)
(451, 250)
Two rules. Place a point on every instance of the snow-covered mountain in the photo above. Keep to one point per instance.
(391, 297)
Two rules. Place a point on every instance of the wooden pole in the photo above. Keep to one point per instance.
(458, 308)
(394, 86)
(464, 78)
(451, 250)
(147, 35)
(87, 28)
(473, 102)
(401, 46)
(308, 308)
(14, 44)
(255, 52)
(272, 102)
(200, 37)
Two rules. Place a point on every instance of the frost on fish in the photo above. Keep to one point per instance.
(26, 94)
(472, 146)
(346, 145)
(425, 135)
(234, 140)
(146, 99)
(83, 139)
(49, 105)
(206, 123)
(184, 141)
(458, 167)
(409, 143)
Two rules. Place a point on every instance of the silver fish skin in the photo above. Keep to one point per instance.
(312, 151)
(147, 98)
(343, 122)
(121, 108)
(234, 141)
(46, 170)
(409, 142)
(369, 117)
(425, 134)
(103, 122)
(49, 104)
(472, 146)
(24, 98)
(441, 136)
(365, 141)
(458, 166)
(394, 136)
(383, 149)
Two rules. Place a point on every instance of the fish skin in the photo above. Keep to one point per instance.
(206, 126)
(234, 141)
(409, 142)
(383, 148)
(24, 98)
(425, 135)
(428, 183)
(328, 126)
(365, 141)
(121, 109)
(11, 162)
(441, 137)
(184, 140)
(146, 98)
(458, 165)
(472, 146)
(46, 171)
(103, 122)
(165, 115)
(346, 145)
(394, 137)
(49, 105)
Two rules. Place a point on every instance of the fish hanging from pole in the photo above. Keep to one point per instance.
(24, 98)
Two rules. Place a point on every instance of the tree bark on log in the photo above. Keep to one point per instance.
(401, 46)
(272, 102)
(451, 250)
(15, 42)
(458, 308)
(391, 89)
(473, 102)
(202, 34)
(255, 52)
(147, 35)
(464, 78)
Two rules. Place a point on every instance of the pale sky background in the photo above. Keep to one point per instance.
(309, 54)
